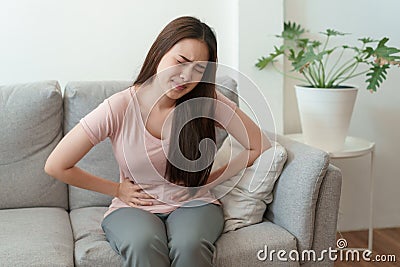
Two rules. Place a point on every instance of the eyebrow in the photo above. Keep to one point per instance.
(188, 60)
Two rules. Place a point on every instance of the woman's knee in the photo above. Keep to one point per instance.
(130, 230)
(190, 245)
(140, 243)
(142, 250)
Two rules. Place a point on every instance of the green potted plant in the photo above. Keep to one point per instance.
(324, 99)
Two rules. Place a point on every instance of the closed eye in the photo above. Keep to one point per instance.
(199, 71)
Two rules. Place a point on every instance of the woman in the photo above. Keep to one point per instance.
(144, 226)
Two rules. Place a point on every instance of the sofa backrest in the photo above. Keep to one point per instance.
(80, 98)
(30, 128)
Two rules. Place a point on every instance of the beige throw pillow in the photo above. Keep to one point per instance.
(251, 189)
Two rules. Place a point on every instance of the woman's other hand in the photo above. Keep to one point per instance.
(133, 195)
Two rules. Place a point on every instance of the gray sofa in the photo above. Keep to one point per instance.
(44, 222)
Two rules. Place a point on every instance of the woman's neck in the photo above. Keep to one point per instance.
(152, 95)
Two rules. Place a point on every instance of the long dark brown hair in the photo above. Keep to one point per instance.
(188, 139)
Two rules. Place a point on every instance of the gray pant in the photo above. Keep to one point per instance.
(184, 237)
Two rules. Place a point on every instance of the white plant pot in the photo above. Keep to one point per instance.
(325, 115)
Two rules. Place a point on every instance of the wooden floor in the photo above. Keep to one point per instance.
(386, 242)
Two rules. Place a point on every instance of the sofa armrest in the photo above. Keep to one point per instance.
(300, 190)
(326, 215)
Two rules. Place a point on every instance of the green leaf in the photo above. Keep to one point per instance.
(265, 61)
(306, 58)
(384, 53)
(376, 75)
(367, 40)
(301, 43)
(331, 32)
(329, 51)
(291, 31)
(315, 44)
(292, 55)
(369, 51)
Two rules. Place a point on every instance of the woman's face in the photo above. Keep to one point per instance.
(182, 67)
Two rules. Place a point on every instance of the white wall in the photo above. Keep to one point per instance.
(96, 39)
(108, 40)
(376, 116)
(259, 21)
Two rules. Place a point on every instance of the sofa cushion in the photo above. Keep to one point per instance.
(91, 246)
(240, 247)
(236, 248)
(245, 196)
(80, 98)
(30, 128)
(35, 237)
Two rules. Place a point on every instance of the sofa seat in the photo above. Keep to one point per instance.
(234, 248)
(35, 237)
(92, 248)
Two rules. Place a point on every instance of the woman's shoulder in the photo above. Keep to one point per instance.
(117, 105)
(119, 101)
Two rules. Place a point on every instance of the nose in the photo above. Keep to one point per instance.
(186, 73)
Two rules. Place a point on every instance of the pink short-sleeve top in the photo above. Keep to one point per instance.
(141, 156)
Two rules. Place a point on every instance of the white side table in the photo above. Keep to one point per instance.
(354, 147)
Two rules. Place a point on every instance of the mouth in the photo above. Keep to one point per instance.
(179, 87)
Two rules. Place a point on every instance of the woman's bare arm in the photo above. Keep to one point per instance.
(61, 164)
(70, 150)
(251, 137)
